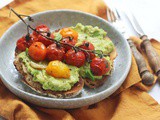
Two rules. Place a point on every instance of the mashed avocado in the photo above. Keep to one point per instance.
(85, 71)
(98, 38)
(48, 82)
(91, 34)
(94, 35)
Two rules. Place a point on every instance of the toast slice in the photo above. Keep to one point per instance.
(27, 79)
(76, 89)
(96, 83)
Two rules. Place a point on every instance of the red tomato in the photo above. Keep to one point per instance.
(68, 41)
(75, 58)
(55, 52)
(70, 36)
(35, 39)
(41, 28)
(37, 51)
(88, 46)
(69, 32)
(44, 40)
(99, 66)
(24, 43)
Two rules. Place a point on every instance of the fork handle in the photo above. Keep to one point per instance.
(153, 57)
(147, 77)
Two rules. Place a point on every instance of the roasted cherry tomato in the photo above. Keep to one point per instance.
(37, 51)
(99, 66)
(44, 31)
(35, 38)
(44, 40)
(58, 69)
(55, 52)
(70, 36)
(88, 46)
(68, 41)
(22, 44)
(75, 58)
(69, 32)
(41, 28)
(25, 42)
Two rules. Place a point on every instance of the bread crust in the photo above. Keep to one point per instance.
(95, 83)
(27, 79)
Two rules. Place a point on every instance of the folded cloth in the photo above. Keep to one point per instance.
(129, 102)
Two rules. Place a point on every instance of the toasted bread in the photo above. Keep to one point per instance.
(76, 89)
(27, 79)
(96, 83)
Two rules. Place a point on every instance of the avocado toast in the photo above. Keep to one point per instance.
(59, 70)
(36, 86)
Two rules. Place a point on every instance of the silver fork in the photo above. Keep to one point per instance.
(152, 55)
(114, 18)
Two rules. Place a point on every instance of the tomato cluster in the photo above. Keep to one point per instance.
(88, 46)
(41, 48)
(70, 36)
(26, 42)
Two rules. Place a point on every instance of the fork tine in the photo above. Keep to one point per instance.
(111, 15)
(117, 16)
(114, 17)
(108, 15)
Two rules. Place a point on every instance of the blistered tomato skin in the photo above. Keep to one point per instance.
(99, 66)
(58, 69)
(55, 52)
(75, 58)
(44, 40)
(68, 41)
(41, 28)
(70, 36)
(34, 38)
(68, 32)
(88, 46)
(24, 43)
(37, 51)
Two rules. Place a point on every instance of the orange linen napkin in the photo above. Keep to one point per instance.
(130, 102)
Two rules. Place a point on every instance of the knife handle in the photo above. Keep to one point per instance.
(147, 77)
(153, 57)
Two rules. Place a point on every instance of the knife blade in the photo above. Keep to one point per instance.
(134, 23)
(152, 55)
(147, 77)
